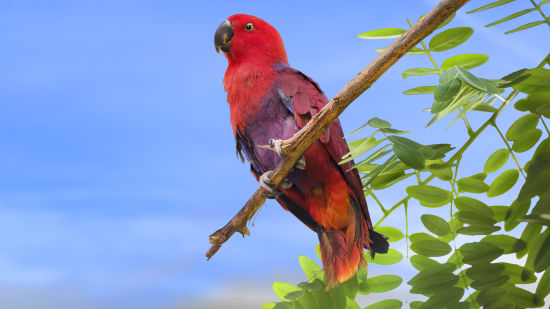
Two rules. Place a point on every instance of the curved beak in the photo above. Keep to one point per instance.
(223, 36)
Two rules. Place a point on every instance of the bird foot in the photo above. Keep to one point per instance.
(275, 144)
(301, 163)
(271, 191)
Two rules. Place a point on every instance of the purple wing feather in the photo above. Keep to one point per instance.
(307, 99)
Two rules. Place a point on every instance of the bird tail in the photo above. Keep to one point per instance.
(342, 250)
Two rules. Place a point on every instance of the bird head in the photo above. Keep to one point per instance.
(248, 38)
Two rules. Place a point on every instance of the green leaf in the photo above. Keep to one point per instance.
(542, 259)
(485, 108)
(421, 262)
(526, 26)
(386, 33)
(472, 184)
(412, 51)
(490, 281)
(491, 294)
(544, 110)
(500, 304)
(373, 174)
(444, 93)
(503, 183)
(515, 15)
(536, 83)
(282, 289)
(431, 248)
(538, 173)
(523, 298)
(420, 90)
(450, 38)
(530, 234)
(365, 146)
(440, 151)
(386, 180)
(499, 212)
(518, 274)
(378, 123)
(310, 268)
(478, 229)
(386, 304)
(445, 299)
(440, 169)
(534, 248)
(351, 287)
(437, 283)
(543, 287)
(380, 284)
(543, 219)
(310, 286)
(467, 61)
(490, 6)
(430, 196)
(464, 203)
(392, 233)
(416, 237)
(268, 306)
(435, 224)
(475, 218)
(351, 304)
(514, 78)
(419, 72)
(496, 161)
(365, 166)
(479, 271)
(529, 140)
(427, 273)
(507, 243)
(410, 152)
(479, 253)
(471, 79)
(392, 257)
(516, 210)
(524, 124)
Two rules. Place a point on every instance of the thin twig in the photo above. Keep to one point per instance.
(509, 149)
(294, 148)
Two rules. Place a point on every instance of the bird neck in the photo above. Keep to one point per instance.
(246, 83)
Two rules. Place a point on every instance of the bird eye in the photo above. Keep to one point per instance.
(249, 27)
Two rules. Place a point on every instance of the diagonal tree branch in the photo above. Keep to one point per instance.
(294, 147)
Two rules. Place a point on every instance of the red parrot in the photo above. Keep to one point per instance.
(270, 101)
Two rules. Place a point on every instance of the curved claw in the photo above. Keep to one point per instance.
(301, 163)
(271, 191)
(275, 144)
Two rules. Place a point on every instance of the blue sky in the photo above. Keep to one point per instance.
(118, 159)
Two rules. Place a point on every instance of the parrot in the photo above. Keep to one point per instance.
(269, 101)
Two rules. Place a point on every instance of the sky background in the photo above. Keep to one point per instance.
(118, 158)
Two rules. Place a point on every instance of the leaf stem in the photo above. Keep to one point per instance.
(541, 12)
(467, 124)
(429, 54)
(459, 263)
(499, 97)
(544, 124)
(418, 177)
(371, 192)
(509, 148)
(406, 206)
(457, 154)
